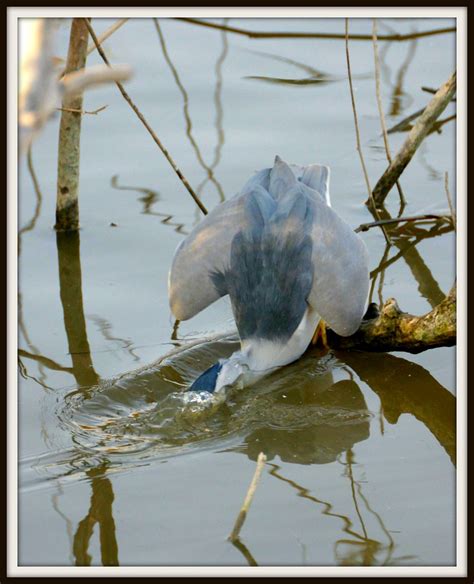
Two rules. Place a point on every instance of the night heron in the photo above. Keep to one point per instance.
(287, 261)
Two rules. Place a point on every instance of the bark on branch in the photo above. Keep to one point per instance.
(394, 330)
(417, 134)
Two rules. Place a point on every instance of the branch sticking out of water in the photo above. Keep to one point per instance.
(67, 202)
(394, 330)
(425, 218)
(356, 125)
(380, 108)
(253, 34)
(140, 116)
(417, 134)
(450, 200)
(262, 459)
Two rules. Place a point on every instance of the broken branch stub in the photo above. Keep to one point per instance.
(394, 330)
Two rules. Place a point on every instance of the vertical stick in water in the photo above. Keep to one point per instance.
(261, 460)
(67, 202)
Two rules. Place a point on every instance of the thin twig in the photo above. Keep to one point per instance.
(381, 112)
(261, 460)
(433, 91)
(82, 112)
(147, 126)
(450, 201)
(404, 125)
(106, 34)
(356, 124)
(309, 35)
(425, 218)
(417, 134)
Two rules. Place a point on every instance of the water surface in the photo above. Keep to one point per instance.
(116, 467)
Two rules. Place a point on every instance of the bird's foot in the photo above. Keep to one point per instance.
(320, 335)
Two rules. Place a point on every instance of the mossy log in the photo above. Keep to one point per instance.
(393, 330)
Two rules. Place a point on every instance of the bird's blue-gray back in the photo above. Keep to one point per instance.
(270, 273)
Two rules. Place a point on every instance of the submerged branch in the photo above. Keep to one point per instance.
(394, 330)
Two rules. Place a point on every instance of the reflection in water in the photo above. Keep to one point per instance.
(100, 511)
(30, 226)
(219, 112)
(105, 328)
(299, 414)
(148, 199)
(406, 237)
(404, 387)
(320, 440)
(70, 282)
(316, 77)
(305, 414)
(398, 94)
(208, 169)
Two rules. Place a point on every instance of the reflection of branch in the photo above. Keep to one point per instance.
(39, 197)
(100, 511)
(49, 363)
(184, 93)
(406, 387)
(105, 328)
(398, 87)
(140, 116)
(308, 35)
(70, 284)
(303, 492)
(149, 199)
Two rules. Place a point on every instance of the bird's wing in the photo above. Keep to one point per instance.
(341, 275)
(206, 251)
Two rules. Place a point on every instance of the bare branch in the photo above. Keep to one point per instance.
(140, 116)
(450, 201)
(381, 112)
(356, 124)
(262, 459)
(417, 134)
(418, 218)
(106, 34)
(309, 35)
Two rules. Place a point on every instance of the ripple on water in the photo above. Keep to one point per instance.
(298, 413)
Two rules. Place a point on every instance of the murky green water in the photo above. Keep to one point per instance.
(115, 467)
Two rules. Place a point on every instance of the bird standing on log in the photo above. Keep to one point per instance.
(288, 263)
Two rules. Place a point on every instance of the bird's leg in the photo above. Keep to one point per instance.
(320, 333)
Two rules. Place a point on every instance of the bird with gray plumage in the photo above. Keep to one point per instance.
(286, 260)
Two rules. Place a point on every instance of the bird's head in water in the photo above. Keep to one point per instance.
(233, 371)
